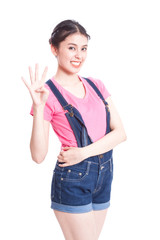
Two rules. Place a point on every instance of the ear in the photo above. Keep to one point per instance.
(54, 50)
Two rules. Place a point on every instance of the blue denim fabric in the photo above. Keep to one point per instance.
(84, 186)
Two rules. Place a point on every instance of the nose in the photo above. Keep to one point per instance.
(78, 54)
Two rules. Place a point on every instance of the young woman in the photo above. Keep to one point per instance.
(88, 125)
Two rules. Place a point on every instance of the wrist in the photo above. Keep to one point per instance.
(38, 108)
(85, 152)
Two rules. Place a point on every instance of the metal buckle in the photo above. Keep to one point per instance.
(70, 113)
(107, 107)
(66, 106)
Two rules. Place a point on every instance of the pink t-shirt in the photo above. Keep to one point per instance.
(91, 108)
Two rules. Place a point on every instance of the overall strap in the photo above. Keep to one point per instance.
(104, 101)
(59, 96)
(97, 91)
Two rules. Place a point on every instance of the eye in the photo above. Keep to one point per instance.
(84, 49)
(72, 48)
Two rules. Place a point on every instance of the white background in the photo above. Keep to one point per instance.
(124, 52)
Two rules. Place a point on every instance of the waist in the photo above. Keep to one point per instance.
(94, 163)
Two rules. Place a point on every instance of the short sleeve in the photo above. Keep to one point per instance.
(101, 87)
(48, 109)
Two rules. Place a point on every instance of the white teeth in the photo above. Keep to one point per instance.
(76, 63)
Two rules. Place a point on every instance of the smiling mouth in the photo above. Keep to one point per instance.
(75, 64)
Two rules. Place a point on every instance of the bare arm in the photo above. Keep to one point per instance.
(40, 128)
(40, 136)
(109, 141)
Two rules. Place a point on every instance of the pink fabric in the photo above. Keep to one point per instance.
(91, 108)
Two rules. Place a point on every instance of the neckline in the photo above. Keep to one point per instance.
(69, 93)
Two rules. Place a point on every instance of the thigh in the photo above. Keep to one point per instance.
(77, 226)
(100, 219)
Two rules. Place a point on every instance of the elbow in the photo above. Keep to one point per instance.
(123, 136)
(38, 158)
(37, 155)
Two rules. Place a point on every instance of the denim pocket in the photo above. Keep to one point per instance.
(75, 174)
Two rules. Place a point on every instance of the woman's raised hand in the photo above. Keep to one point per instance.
(37, 90)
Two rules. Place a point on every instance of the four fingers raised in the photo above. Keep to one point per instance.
(34, 78)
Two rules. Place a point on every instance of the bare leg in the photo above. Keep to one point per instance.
(77, 226)
(100, 216)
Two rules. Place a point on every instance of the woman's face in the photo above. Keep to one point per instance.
(72, 53)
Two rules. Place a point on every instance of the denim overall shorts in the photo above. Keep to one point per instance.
(84, 186)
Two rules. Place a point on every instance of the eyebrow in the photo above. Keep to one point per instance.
(76, 44)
